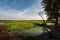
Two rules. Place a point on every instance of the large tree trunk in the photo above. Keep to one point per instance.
(56, 29)
(56, 21)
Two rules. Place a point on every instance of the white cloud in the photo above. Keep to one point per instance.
(28, 14)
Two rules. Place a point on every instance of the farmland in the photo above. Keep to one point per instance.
(22, 27)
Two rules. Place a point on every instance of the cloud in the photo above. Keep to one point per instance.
(31, 13)
(16, 15)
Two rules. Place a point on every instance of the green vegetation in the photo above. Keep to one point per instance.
(22, 26)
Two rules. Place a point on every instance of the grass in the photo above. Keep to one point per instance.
(21, 26)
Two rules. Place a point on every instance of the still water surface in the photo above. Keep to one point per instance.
(30, 32)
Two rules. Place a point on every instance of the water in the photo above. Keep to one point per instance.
(29, 32)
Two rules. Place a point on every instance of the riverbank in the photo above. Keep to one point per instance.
(6, 36)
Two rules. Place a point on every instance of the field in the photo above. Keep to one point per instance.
(25, 28)
(22, 27)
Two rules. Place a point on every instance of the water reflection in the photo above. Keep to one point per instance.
(29, 32)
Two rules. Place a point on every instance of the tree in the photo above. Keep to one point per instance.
(52, 8)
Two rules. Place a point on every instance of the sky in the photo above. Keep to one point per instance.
(21, 10)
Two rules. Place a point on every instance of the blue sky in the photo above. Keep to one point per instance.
(17, 4)
(20, 9)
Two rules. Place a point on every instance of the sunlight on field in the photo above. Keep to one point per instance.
(23, 27)
(50, 24)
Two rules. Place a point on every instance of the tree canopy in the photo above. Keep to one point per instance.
(52, 8)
